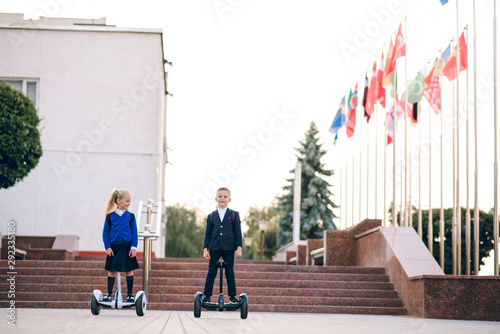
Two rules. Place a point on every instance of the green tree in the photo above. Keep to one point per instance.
(485, 237)
(316, 213)
(20, 146)
(185, 232)
(252, 218)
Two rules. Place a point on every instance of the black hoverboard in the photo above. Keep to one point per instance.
(242, 305)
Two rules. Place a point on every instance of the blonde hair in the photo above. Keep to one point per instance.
(115, 195)
(224, 188)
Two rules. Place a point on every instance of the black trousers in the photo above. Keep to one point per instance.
(213, 266)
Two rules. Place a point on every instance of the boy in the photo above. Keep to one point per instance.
(223, 238)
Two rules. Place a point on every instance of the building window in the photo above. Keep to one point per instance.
(28, 87)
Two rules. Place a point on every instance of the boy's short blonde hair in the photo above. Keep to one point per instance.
(224, 188)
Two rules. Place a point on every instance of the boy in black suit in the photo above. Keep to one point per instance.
(223, 238)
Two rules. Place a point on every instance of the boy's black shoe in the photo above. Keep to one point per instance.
(130, 298)
(107, 298)
(206, 299)
(233, 299)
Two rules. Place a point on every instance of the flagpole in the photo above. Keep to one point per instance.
(495, 211)
(367, 165)
(401, 206)
(394, 214)
(429, 226)
(376, 159)
(360, 162)
(454, 217)
(441, 211)
(419, 182)
(406, 135)
(459, 210)
(340, 199)
(410, 214)
(352, 204)
(467, 210)
(346, 180)
(476, 207)
(385, 171)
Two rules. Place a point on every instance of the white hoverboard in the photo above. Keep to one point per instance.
(97, 301)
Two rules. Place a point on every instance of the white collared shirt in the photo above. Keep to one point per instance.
(120, 212)
(222, 213)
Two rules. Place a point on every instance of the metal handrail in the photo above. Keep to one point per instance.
(149, 234)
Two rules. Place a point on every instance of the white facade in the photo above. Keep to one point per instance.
(100, 92)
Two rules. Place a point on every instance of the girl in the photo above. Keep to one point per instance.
(120, 241)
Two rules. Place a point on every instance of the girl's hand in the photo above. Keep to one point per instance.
(109, 251)
(132, 253)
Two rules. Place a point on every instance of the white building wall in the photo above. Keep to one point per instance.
(102, 104)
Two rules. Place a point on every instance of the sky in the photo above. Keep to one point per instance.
(248, 78)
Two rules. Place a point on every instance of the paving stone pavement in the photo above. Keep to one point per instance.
(78, 321)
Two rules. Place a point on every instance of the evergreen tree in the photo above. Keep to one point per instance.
(316, 213)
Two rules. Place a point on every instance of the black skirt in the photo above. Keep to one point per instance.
(121, 261)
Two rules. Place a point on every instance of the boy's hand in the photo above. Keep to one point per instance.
(132, 253)
(109, 251)
(206, 254)
(238, 253)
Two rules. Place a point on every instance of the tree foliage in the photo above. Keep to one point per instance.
(485, 237)
(316, 213)
(252, 218)
(185, 232)
(20, 146)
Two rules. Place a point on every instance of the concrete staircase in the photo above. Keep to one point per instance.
(270, 286)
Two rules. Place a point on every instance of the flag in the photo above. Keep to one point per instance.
(443, 2)
(432, 91)
(339, 120)
(389, 124)
(365, 92)
(386, 80)
(399, 50)
(380, 77)
(438, 72)
(450, 68)
(415, 88)
(415, 114)
(400, 110)
(372, 93)
(394, 83)
(351, 113)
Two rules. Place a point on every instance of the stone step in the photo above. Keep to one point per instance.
(191, 290)
(199, 282)
(251, 308)
(271, 287)
(203, 266)
(187, 298)
(181, 259)
(203, 274)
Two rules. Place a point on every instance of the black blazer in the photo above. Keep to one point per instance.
(225, 235)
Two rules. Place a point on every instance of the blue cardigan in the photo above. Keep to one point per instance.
(120, 231)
